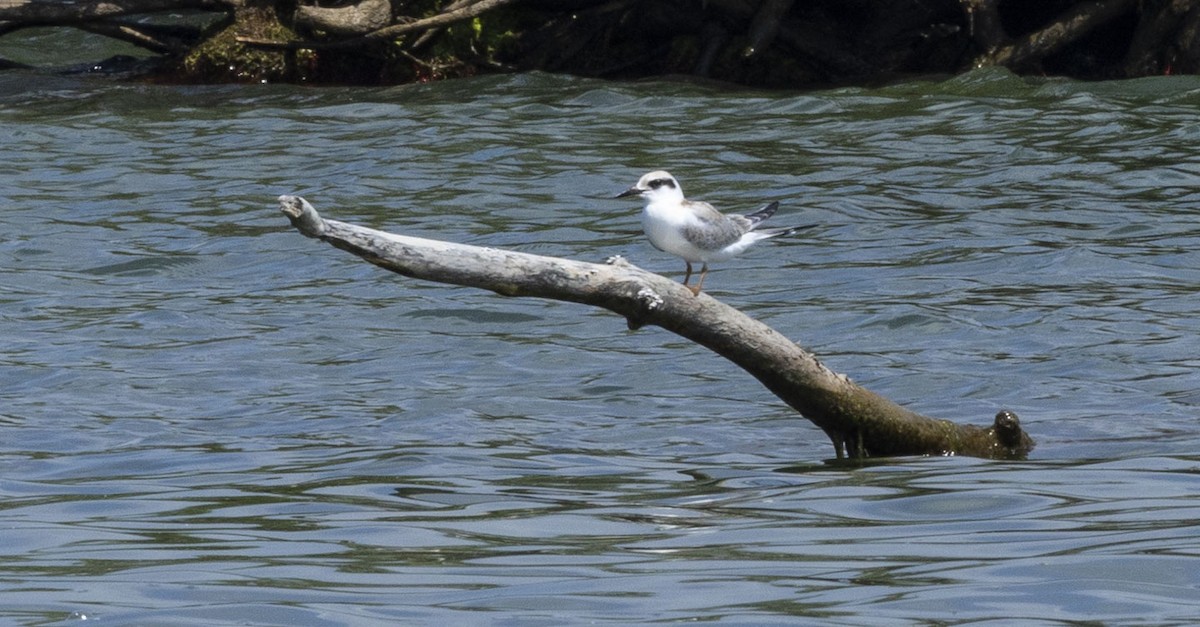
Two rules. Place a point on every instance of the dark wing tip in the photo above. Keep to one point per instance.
(767, 211)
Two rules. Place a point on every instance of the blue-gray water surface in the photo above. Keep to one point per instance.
(210, 419)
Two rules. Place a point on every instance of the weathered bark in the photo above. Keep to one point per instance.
(859, 422)
(354, 19)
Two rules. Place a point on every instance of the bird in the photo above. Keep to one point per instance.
(693, 229)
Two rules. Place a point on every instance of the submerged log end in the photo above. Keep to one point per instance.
(1005, 439)
(302, 215)
(1010, 440)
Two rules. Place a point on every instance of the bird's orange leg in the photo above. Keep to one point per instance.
(700, 283)
(687, 276)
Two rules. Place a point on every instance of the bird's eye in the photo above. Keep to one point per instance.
(657, 183)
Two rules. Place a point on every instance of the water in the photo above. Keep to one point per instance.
(209, 419)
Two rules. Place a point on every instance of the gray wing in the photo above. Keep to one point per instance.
(715, 231)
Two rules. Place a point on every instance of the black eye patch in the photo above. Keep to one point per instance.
(657, 183)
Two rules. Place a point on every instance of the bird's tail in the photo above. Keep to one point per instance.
(783, 230)
(767, 211)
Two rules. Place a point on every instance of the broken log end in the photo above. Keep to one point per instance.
(302, 216)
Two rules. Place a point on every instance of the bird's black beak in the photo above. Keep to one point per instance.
(632, 191)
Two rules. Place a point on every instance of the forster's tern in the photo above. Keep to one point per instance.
(695, 230)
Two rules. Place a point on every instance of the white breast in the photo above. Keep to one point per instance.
(664, 224)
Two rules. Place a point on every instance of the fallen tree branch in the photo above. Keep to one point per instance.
(428, 36)
(354, 19)
(442, 19)
(159, 39)
(859, 422)
(1076, 22)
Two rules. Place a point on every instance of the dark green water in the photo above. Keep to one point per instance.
(209, 419)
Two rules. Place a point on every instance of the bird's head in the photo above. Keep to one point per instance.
(656, 185)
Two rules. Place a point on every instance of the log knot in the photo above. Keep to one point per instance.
(648, 302)
(650, 299)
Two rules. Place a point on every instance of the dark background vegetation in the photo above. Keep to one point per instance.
(764, 43)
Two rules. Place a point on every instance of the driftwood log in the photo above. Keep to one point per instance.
(859, 422)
